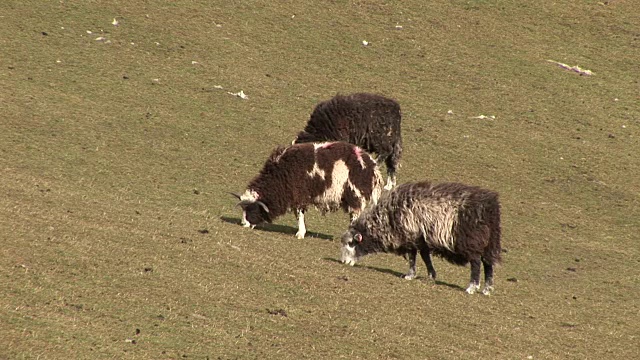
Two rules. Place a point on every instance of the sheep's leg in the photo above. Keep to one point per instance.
(391, 181)
(391, 178)
(488, 277)
(412, 266)
(302, 229)
(474, 284)
(425, 253)
(391, 172)
(392, 160)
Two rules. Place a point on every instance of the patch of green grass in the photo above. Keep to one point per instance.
(119, 145)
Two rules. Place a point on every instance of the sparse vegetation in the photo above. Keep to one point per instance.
(119, 145)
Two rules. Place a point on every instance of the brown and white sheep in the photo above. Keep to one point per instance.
(329, 176)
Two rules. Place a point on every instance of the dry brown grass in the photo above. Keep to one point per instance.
(121, 241)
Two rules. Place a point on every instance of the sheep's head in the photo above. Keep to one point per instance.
(254, 211)
(350, 243)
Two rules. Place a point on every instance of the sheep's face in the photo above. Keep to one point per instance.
(350, 247)
(255, 212)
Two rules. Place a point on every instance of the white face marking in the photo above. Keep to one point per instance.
(244, 221)
(302, 229)
(348, 255)
(250, 195)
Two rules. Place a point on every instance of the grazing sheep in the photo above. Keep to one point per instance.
(367, 120)
(458, 222)
(330, 176)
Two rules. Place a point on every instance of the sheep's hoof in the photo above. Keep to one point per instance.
(391, 183)
(300, 236)
(487, 290)
(472, 288)
(409, 276)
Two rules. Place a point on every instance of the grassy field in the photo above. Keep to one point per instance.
(119, 145)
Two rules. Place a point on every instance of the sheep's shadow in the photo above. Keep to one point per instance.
(283, 229)
(398, 274)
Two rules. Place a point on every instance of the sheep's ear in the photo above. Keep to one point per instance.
(263, 205)
(358, 237)
(236, 195)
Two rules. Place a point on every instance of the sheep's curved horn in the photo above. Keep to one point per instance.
(262, 205)
(249, 202)
(236, 195)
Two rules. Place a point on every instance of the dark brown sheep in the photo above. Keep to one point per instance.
(366, 120)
